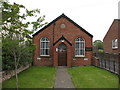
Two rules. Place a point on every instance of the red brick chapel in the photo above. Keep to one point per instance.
(62, 43)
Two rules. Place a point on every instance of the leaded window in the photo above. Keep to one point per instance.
(44, 46)
(79, 47)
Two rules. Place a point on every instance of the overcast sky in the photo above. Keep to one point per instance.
(95, 16)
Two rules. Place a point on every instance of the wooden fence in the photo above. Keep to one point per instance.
(106, 61)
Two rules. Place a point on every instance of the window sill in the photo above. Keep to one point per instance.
(114, 48)
(47, 56)
(79, 56)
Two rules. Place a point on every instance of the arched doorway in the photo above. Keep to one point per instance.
(62, 55)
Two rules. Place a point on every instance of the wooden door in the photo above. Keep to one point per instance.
(62, 55)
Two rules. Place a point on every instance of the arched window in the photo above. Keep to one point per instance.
(44, 46)
(79, 47)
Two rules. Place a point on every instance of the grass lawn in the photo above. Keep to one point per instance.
(34, 77)
(93, 77)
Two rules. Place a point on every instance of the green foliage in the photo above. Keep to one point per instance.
(98, 43)
(98, 46)
(15, 21)
(12, 48)
(17, 45)
(7, 58)
(100, 50)
(27, 54)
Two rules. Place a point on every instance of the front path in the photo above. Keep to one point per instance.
(63, 79)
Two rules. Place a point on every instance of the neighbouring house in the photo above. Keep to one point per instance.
(62, 43)
(110, 41)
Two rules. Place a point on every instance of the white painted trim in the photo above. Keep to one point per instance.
(79, 55)
(84, 47)
(44, 48)
(115, 42)
(45, 55)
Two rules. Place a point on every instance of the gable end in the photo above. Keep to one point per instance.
(63, 15)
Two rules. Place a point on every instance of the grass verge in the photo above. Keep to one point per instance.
(93, 77)
(34, 77)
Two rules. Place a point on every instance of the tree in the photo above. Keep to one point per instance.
(98, 44)
(16, 35)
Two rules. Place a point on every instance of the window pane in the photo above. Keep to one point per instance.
(47, 39)
(46, 51)
(43, 39)
(113, 43)
(116, 43)
(42, 45)
(81, 52)
(82, 45)
(76, 52)
(47, 44)
(77, 45)
(81, 39)
(77, 39)
(41, 52)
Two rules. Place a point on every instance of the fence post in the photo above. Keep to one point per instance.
(114, 65)
(105, 63)
(102, 63)
(109, 64)
(98, 62)
(93, 61)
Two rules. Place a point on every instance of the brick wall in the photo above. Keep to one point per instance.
(70, 32)
(112, 34)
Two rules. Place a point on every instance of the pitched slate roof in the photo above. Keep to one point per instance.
(63, 15)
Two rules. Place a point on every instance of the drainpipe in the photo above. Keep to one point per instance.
(53, 41)
(53, 31)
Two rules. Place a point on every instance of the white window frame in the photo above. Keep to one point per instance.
(42, 54)
(79, 48)
(115, 44)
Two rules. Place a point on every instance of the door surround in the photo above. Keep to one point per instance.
(62, 55)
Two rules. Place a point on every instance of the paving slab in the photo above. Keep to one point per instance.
(63, 79)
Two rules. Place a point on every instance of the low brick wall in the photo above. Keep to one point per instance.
(8, 74)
